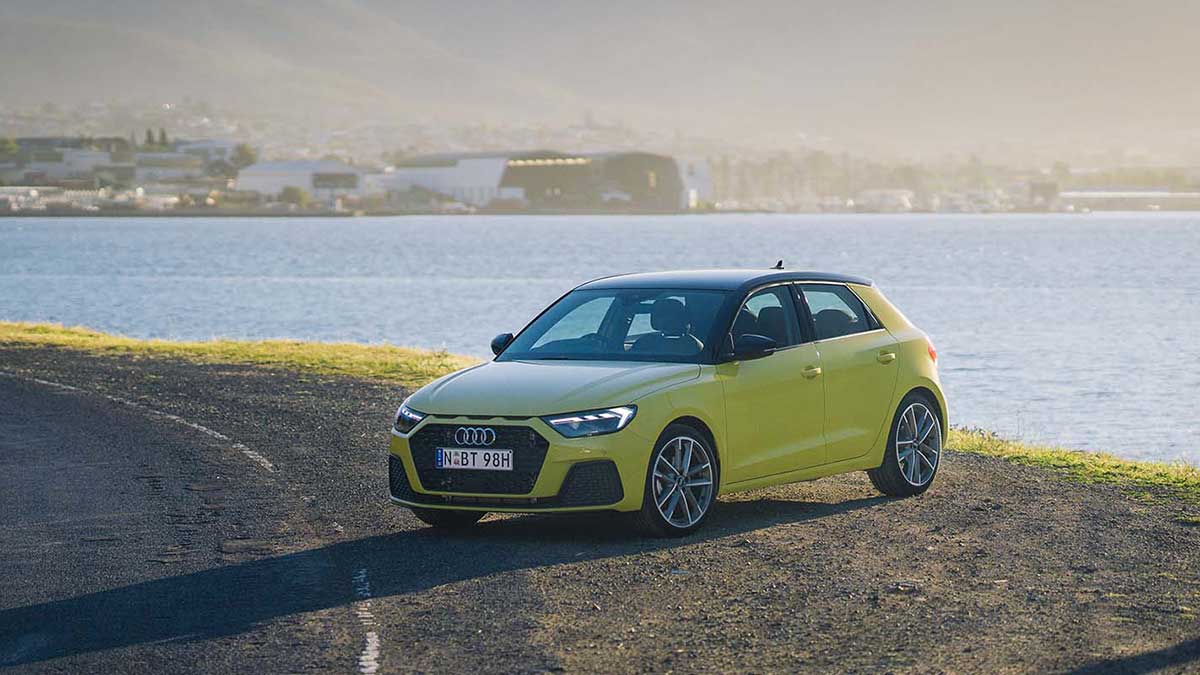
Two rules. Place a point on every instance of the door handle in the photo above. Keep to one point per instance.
(811, 372)
(886, 357)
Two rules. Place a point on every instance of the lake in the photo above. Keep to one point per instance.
(1080, 330)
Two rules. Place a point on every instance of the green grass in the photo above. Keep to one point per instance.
(404, 366)
(1179, 480)
(414, 367)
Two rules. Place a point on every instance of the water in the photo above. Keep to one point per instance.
(1081, 330)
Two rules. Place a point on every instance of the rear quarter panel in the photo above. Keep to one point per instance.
(917, 370)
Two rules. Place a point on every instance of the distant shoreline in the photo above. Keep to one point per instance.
(211, 213)
(179, 214)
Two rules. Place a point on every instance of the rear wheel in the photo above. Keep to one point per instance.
(914, 449)
(681, 483)
(447, 520)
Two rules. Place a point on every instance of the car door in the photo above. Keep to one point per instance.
(774, 405)
(858, 362)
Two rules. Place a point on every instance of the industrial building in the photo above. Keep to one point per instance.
(208, 149)
(551, 180)
(325, 180)
(152, 167)
(90, 163)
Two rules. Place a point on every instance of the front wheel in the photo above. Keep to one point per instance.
(914, 449)
(447, 520)
(681, 483)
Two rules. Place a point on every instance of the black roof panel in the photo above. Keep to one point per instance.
(717, 280)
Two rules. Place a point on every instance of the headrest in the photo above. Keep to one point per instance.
(833, 322)
(744, 323)
(669, 317)
(773, 324)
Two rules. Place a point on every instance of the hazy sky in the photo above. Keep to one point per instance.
(915, 77)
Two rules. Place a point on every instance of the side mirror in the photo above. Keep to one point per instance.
(500, 342)
(751, 346)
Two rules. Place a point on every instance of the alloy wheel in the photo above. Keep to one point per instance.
(918, 444)
(683, 481)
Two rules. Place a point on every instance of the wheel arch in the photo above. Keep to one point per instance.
(702, 427)
(889, 477)
(938, 402)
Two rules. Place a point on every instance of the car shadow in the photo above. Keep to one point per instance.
(1185, 654)
(231, 599)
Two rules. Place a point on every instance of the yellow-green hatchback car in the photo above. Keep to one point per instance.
(654, 393)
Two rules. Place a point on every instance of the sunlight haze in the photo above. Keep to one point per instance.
(909, 78)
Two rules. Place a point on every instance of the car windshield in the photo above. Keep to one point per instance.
(625, 324)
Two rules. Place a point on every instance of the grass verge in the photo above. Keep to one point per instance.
(414, 367)
(407, 367)
(1179, 480)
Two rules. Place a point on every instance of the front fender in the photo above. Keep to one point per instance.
(700, 399)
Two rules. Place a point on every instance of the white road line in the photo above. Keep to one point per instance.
(48, 383)
(254, 456)
(368, 659)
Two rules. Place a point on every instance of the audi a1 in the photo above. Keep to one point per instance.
(653, 394)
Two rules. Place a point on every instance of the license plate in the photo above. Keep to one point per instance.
(479, 460)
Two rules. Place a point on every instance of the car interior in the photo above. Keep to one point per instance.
(646, 324)
(771, 322)
(832, 322)
(672, 330)
(662, 323)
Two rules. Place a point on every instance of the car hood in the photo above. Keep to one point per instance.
(530, 388)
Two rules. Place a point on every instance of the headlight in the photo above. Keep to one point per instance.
(406, 419)
(591, 422)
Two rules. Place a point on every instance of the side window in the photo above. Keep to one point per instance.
(769, 312)
(836, 311)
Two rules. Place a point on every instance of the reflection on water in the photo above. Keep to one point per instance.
(1070, 329)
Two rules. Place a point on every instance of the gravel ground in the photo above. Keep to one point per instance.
(182, 517)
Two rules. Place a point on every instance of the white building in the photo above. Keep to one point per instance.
(473, 179)
(324, 180)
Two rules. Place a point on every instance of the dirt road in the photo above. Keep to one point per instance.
(181, 517)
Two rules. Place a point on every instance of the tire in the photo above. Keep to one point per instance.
(680, 445)
(447, 520)
(908, 468)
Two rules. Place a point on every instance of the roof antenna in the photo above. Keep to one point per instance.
(778, 265)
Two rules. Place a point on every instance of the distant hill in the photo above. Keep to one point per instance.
(917, 76)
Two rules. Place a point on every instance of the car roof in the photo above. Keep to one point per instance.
(717, 280)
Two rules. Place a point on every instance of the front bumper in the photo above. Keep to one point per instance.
(606, 472)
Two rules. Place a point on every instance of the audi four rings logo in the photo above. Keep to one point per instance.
(474, 436)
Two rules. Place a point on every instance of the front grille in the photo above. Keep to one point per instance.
(587, 484)
(528, 448)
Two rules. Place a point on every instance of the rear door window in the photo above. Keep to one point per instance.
(836, 311)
